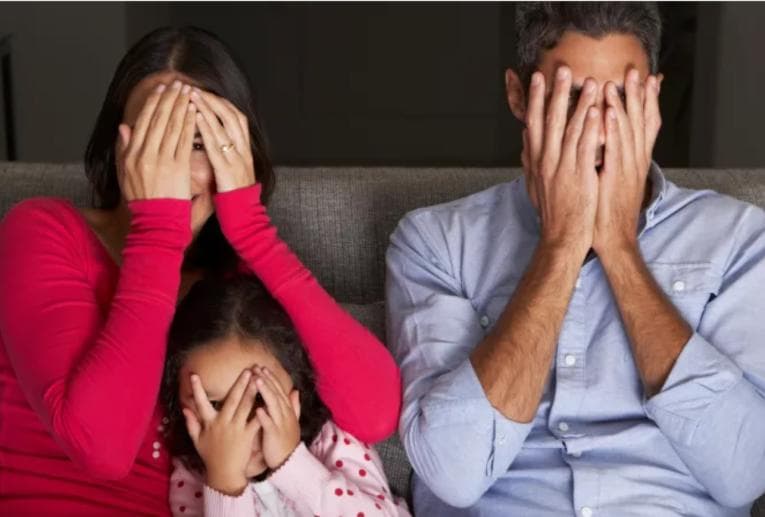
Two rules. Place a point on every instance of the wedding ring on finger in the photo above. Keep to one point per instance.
(226, 148)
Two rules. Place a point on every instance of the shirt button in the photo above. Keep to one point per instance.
(156, 445)
(501, 439)
(578, 283)
(570, 360)
(576, 454)
(678, 286)
(586, 511)
(563, 426)
(484, 321)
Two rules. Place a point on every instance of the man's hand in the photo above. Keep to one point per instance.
(630, 137)
(559, 162)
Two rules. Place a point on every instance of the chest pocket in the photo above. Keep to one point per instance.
(689, 286)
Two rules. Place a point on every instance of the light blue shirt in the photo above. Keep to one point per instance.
(596, 446)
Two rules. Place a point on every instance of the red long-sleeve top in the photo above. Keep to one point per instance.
(83, 347)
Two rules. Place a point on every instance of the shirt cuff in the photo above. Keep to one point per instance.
(217, 503)
(458, 398)
(699, 380)
(302, 477)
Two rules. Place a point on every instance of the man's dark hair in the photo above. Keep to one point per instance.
(214, 309)
(540, 25)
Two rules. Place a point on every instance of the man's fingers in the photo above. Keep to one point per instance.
(652, 115)
(575, 126)
(623, 128)
(635, 95)
(588, 143)
(235, 395)
(555, 120)
(204, 408)
(535, 119)
(612, 159)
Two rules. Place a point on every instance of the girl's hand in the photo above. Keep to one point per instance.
(226, 135)
(279, 419)
(154, 158)
(224, 438)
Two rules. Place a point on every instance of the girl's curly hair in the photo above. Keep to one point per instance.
(214, 309)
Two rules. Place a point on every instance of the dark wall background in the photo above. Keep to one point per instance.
(404, 83)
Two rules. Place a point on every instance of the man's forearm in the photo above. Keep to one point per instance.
(656, 329)
(513, 361)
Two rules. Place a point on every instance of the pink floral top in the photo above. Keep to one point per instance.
(336, 475)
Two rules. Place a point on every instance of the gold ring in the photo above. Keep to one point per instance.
(226, 148)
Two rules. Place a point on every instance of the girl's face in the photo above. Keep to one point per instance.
(218, 365)
(202, 178)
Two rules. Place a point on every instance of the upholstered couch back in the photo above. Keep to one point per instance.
(338, 221)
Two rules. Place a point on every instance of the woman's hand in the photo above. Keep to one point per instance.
(279, 419)
(224, 438)
(154, 158)
(226, 135)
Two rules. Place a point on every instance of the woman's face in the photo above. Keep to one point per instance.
(202, 178)
(219, 365)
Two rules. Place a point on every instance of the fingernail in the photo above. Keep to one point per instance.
(562, 73)
(186, 89)
(161, 88)
(535, 79)
(176, 84)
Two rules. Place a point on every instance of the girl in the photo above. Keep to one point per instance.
(179, 172)
(240, 396)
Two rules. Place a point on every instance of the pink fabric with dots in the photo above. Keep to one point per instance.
(323, 479)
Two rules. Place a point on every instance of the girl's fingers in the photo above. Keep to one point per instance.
(295, 402)
(193, 425)
(235, 395)
(204, 408)
(186, 140)
(158, 124)
(176, 122)
(228, 114)
(145, 116)
(277, 388)
(248, 400)
(265, 420)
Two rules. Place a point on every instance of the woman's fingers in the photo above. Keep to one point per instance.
(227, 113)
(212, 147)
(205, 410)
(156, 131)
(235, 395)
(175, 122)
(145, 116)
(219, 133)
(186, 139)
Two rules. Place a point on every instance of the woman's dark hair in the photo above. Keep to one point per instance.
(203, 58)
(218, 308)
(540, 25)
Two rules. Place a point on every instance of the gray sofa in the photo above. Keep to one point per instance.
(338, 221)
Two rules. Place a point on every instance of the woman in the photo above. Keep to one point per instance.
(179, 171)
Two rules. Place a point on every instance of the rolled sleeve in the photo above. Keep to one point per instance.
(457, 442)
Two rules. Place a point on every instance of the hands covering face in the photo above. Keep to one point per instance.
(154, 157)
(224, 438)
(580, 208)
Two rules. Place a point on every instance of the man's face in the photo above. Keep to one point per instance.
(605, 59)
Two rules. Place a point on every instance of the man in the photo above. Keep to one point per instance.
(588, 340)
